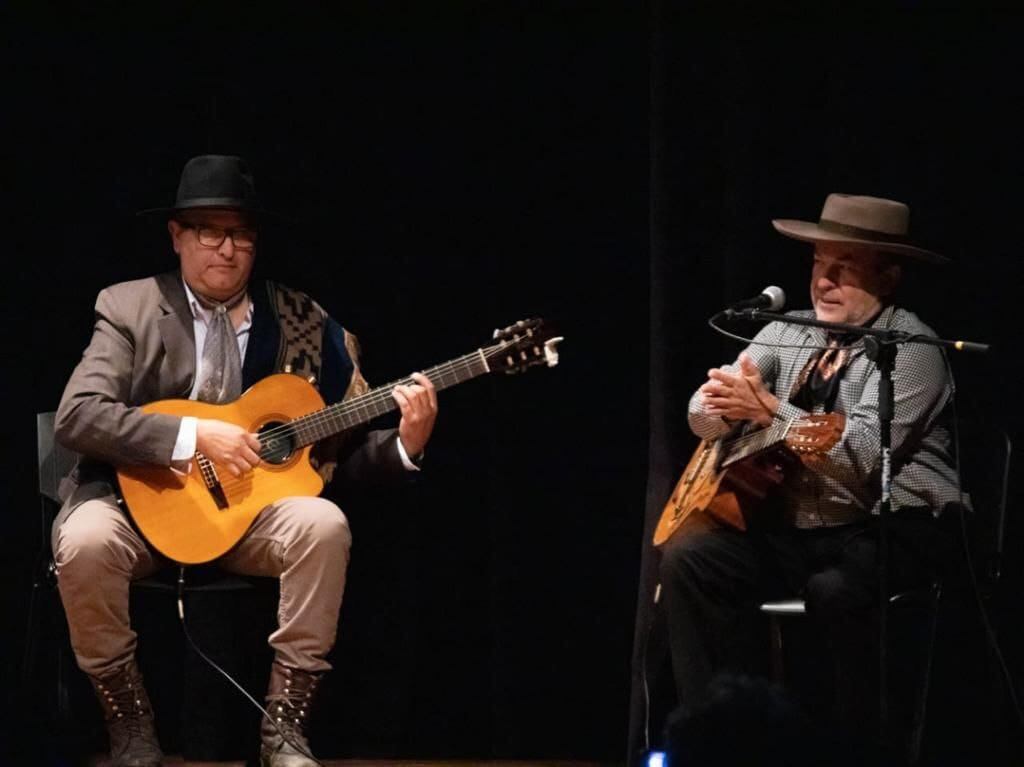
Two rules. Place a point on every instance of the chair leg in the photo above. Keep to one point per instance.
(921, 709)
(28, 659)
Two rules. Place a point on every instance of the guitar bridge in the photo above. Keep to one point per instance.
(212, 481)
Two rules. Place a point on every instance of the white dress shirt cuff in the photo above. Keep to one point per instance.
(406, 461)
(185, 445)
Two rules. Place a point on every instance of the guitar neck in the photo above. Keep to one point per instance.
(350, 413)
(747, 445)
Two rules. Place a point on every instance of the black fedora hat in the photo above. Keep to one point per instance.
(214, 181)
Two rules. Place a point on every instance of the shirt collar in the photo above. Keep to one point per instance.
(201, 312)
(882, 320)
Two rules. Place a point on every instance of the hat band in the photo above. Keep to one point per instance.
(861, 234)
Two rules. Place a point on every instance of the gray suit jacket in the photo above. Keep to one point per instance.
(143, 349)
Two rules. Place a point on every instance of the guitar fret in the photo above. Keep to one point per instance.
(350, 413)
(299, 420)
(747, 445)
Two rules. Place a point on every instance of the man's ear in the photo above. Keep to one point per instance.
(175, 230)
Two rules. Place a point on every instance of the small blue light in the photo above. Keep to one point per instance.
(656, 759)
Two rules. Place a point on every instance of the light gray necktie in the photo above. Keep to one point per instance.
(222, 364)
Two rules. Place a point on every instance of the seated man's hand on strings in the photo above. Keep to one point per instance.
(228, 445)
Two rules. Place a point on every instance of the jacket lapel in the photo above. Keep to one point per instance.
(176, 332)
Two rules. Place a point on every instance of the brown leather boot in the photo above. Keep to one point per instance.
(129, 718)
(290, 702)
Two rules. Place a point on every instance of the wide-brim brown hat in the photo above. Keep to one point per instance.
(214, 181)
(869, 221)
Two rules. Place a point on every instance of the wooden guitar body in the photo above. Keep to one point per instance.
(728, 478)
(196, 516)
(696, 489)
(744, 485)
(177, 513)
(726, 494)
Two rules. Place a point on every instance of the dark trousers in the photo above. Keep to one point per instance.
(713, 579)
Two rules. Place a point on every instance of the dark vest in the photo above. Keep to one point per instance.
(266, 352)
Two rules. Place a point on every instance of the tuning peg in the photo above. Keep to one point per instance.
(551, 350)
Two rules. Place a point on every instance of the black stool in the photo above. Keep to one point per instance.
(986, 471)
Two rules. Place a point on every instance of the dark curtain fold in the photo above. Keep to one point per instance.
(760, 114)
(447, 168)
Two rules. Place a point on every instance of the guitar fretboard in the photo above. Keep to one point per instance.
(348, 414)
(747, 445)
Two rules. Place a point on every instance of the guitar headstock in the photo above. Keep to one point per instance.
(811, 437)
(521, 346)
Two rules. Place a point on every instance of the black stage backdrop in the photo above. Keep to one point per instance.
(760, 115)
(449, 168)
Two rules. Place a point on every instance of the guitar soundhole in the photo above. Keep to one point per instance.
(278, 441)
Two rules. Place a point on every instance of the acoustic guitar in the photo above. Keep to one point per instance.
(727, 477)
(197, 516)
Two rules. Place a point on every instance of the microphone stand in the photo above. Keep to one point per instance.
(880, 345)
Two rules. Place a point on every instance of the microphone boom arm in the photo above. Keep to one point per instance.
(883, 334)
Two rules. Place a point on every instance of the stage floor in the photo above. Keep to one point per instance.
(391, 763)
(177, 761)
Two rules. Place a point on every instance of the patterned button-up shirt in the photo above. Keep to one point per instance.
(845, 487)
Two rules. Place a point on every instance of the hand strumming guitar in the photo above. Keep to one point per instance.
(739, 396)
(227, 445)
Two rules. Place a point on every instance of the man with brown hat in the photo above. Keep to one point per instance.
(823, 543)
(208, 332)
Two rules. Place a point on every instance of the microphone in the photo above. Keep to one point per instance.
(772, 298)
(971, 346)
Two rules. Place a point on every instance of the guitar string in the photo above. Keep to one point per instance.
(735, 456)
(334, 415)
(381, 394)
(384, 391)
(760, 433)
(467, 362)
(463, 362)
(230, 482)
(373, 398)
(744, 440)
(315, 420)
(741, 442)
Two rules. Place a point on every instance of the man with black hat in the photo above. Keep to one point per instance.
(824, 546)
(207, 332)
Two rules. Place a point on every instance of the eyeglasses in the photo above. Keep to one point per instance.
(213, 236)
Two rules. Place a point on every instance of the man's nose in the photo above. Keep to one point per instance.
(227, 248)
(828, 276)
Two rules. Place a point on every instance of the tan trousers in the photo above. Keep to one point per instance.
(304, 541)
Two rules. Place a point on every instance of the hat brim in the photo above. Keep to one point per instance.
(224, 203)
(808, 231)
